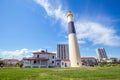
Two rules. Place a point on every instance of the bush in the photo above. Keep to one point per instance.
(21, 65)
(102, 64)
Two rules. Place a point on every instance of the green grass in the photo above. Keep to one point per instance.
(83, 73)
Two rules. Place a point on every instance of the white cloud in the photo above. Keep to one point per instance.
(95, 32)
(56, 12)
(17, 54)
(81, 42)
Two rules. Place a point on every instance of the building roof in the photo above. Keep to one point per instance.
(44, 53)
(88, 58)
(43, 59)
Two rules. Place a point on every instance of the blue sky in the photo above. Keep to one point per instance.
(32, 25)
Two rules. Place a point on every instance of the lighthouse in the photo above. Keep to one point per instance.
(74, 53)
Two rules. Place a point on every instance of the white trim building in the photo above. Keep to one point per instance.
(40, 59)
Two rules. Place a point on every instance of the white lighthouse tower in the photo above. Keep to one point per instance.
(74, 53)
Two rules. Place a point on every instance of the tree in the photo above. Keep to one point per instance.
(21, 65)
(1, 63)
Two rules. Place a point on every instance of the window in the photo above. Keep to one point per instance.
(52, 57)
(65, 64)
(62, 63)
(52, 62)
(37, 56)
(58, 64)
(34, 62)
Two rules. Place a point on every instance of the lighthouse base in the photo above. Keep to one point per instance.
(74, 54)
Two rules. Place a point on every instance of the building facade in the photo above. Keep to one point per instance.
(88, 61)
(63, 63)
(62, 51)
(44, 59)
(101, 54)
(10, 62)
(40, 59)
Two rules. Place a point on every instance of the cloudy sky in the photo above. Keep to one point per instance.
(34, 25)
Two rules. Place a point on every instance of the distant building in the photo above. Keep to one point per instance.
(88, 61)
(62, 51)
(40, 59)
(63, 63)
(101, 54)
(113, 60)
(10, 62)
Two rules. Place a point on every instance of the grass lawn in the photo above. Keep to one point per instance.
(83, 73)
